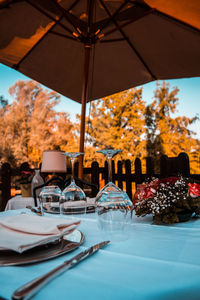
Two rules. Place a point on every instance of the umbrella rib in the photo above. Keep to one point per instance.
(128, 23)
(112, 16)
(90, 9)
(7, 3)
(73, 4)
(50, 17)
(164, 15)
(65, 15)
(112, 40)
(64, 35)
(128, 41)
(16, 66)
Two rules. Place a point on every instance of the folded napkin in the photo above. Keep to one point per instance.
(22, 232)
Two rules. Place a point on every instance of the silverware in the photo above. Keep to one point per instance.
(36, 210)
(32, 287)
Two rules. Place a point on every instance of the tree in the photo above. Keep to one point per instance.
(124, 121)
(3, 102)
(118, 121)
(167, 134)
(31, 125)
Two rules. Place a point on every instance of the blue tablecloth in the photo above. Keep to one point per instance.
(156, 262)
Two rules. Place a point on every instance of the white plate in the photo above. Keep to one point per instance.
(45, 252)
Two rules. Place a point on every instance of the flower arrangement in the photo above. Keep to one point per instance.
(169, 200)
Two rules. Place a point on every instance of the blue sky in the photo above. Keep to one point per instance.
(189, 95)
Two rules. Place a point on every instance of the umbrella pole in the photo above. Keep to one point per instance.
(83, 108)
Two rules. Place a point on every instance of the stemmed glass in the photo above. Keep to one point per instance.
(114, 208)
(73, 199)
(49, 198)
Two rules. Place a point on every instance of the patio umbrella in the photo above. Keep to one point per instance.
(88, 49)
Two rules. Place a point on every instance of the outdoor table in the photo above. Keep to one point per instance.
(18, 202)
(155, 262)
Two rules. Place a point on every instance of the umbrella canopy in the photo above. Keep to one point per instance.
(88, 49)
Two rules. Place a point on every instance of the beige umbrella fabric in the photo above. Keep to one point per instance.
(88, 49)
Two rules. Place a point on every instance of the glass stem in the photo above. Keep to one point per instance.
(109, 168)
(72, 161)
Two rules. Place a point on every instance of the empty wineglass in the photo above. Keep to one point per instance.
(114, 208)
(73, 199)
(49, 198)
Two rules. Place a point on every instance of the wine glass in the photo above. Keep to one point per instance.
(114, 208)
(73, 199)
(49, 198)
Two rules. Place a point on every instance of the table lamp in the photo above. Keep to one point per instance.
(53, 161)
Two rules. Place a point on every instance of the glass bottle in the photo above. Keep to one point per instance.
(36, 181)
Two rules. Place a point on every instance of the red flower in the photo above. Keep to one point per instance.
(154, 184)
(194, 189)
(144, 191)
(169, 180)
(26, 172)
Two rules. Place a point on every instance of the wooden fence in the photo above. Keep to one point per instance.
(122, 173)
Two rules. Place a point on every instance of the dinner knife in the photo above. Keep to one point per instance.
(32, 287)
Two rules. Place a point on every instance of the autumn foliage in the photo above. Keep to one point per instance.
(31, 125)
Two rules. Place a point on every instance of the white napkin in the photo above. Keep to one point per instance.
(23, 232)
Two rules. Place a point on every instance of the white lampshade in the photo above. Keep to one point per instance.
(53, 161)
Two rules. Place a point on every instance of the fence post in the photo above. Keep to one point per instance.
(138, 171)
(164, 166)
(105, 174)
(184, 164)
(128, 178)
(6, 184)
(94, 176)
(113, 172)
(76, 166)
(149, 167)
(119, 174)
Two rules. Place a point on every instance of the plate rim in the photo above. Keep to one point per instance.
(35, 260)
